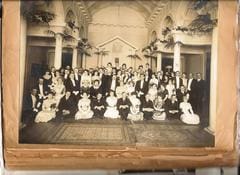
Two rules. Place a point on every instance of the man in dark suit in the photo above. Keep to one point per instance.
(177, 80)
(113, 83)
(98, 106)
(42, 89)
(180, 93)
(191, 89)
(123, 106)
(67, 106)
(200, 92)
(141, 88)
(72, 86)
(150, 72)
(77, 77)
(147, 108)
(31, 106)
(106, 80)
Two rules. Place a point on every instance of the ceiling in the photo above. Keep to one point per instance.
(144, 7)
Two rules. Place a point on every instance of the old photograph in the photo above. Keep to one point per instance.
(119, 72)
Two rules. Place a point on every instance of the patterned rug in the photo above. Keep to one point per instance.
(93, 134)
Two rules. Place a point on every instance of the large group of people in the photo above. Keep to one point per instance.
(115, 92)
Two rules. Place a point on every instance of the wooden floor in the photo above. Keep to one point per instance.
(168, 133)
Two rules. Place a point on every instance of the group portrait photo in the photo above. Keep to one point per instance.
(118, 72)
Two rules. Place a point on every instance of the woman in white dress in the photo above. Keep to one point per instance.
(111, 111)
(159, 111)
(59, 90)
(153, 92)
(153, 80)
(130, 88)
(170, 88)
(188, 115)
(86, 78)
(48, 110)
(84, 108)
(55, 78)
(120, 89)
(135, 114)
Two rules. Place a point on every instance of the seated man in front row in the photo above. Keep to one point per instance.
(67, 106)
(98, 106)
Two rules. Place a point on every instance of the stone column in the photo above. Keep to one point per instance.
(58, 52)
(74, 57)
(84, 65)
(159, 61)
(213, 83)
(177, 57)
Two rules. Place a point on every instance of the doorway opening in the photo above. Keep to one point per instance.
(66, 59)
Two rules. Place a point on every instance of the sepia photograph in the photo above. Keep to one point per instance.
(119, 72)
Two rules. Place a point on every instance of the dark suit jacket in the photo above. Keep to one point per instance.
(28, 103)
(175, 82)
(144, 89)
(67, 104)
(94, 92)
(45, 89)
(123, 102)
(70, 87)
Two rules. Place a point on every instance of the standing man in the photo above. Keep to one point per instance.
(141, 88)
(200, 92)
(178, 81)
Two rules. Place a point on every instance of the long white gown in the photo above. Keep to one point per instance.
(187, 117)
(84, 109)
(135, 114)
(48, 111)
(59, 92)
(111, 111)
(159, 112)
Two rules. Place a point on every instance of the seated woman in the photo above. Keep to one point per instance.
(159, 110)
(111, 111)
(135, 114)
(188, 115)
(98, 106)
(84, 108)
(147, 108)
(95, 89)
(123, 105)
(172, 106)
(59, 90)
(48, 110)
(153, 92)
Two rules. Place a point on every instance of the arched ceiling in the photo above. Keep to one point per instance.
(145, 7)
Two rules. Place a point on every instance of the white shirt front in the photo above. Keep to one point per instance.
(189, 84)
(73, 82)
(41, 89)
(34, 100)
(113, 85)
(76, 77)
(141, 84)
(177, 82)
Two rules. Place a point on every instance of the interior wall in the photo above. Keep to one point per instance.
(195, 64)
(37, 58)
(117, 21)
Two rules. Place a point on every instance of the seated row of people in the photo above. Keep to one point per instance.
(126, 108)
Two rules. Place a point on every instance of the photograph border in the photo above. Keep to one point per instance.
(45, 156)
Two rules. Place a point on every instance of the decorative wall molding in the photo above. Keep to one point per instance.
(117, 25)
